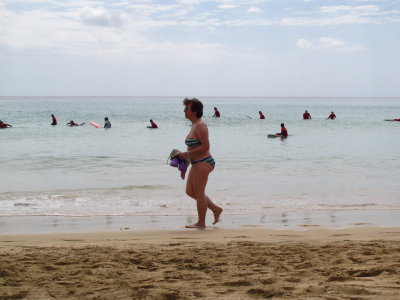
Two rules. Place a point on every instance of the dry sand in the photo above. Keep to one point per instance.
(353, 263)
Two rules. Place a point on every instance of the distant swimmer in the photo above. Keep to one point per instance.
(262, 117)
(153, 124)
(72, 124)
(284, 132)
(332, 116)
(107, 123)
(4, 125)
(216, 113)
(54, 120)
(306, 116)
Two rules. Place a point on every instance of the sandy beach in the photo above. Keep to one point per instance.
(247, 263)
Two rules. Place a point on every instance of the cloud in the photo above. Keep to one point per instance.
(226, 6)
(331, 42)
(342, 15)
(94, 32)
(317, 21)
(360, 10)
(327, 44)
(189, 2)
(190, 51)
(303, 44)
(152, 8)
(100, 17)
(254, 10)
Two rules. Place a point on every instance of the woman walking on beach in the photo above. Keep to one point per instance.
(198, 151)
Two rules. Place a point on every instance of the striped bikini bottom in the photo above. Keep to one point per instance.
(210, 160)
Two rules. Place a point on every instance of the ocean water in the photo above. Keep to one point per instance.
(351, 163)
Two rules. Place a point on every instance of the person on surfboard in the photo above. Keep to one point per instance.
(4, 125)
(72, 123)
(54, 120)
(284, 132)
(262, 117)
(153, 124)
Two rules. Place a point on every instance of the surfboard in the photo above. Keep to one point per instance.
(273, 136)
(95, 124)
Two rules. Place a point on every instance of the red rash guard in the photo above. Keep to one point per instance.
(284, 132)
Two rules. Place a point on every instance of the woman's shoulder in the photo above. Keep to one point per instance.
(200, 128)
(201, 125)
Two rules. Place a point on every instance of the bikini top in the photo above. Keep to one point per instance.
(192, 142)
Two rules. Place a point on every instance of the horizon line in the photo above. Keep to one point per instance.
(205, 96)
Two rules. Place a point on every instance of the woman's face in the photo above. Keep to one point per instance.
(188, 111)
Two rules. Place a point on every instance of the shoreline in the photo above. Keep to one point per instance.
(298, 221)
(157, 238)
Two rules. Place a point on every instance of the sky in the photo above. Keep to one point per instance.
(256, 48)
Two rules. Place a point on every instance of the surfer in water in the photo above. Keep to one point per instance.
(283, 132)
(216, 113)
(107, 123)
(153, 124)
(54, 120)
(73, 124)
(332, 116)
(4, 125)
(306, 116)
(198, 150)
(262, 117)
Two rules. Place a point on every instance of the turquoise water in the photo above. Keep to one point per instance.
(350, 163)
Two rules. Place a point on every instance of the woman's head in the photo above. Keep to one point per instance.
(194, 105)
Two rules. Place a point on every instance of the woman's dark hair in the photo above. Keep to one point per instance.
(196, 106)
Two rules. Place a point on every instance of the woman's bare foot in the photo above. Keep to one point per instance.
(196, 225)
(217, 213)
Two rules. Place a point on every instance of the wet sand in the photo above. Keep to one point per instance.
(296, 220)
(247, 263)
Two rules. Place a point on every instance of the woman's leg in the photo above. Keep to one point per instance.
(215, 209)
(198, 177)
(195, 188)
(189, 185)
